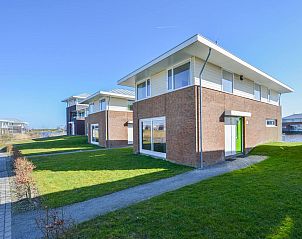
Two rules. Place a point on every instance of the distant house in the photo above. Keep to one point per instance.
(12, 126)
(75, 114)
(109, 121)
(292, 124)
(240, 105)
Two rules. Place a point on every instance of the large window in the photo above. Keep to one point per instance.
(227, 81)
(179, 76)
(257, 92)
(153, 136)
(143, 90)
(103, 105)
(94, 133)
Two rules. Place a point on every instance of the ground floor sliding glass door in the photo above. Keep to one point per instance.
(94, 134)
(153, 136)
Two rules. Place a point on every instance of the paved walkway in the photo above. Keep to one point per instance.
(72, 152)
(24, 225)
(5, 199)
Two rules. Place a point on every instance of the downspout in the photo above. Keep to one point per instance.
(200, 108)
(107, 122)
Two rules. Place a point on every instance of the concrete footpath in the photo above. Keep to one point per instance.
(5, 198)
(24, 225)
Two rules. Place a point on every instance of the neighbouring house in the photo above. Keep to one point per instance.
(13, 126)
(109, 121)
(75, 114)
(292, 124)
(240, 105)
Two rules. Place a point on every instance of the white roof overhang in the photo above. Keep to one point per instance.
(198, 46)
(100, 94)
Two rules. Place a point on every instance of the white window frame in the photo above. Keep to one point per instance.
(100, 104)
(226, 79)
(150, 152)
(255, 90)
(146, 83)
(172, 69)
(269, 125)
(93, 142)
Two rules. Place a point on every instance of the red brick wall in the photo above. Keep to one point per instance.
(117, 127)
(256, 132)
(181, 110)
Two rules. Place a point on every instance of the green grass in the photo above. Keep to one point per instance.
(261, 201)
(54, 145)
(70, 178)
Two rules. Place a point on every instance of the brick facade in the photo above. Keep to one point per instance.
(117, 127)
(79, 124)
(182, 119)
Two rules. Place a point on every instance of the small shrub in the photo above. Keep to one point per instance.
(17, 154)
(53, 223)
(9, 149)
(24, 180)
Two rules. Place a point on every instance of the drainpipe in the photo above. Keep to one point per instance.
(107, 122)
(200, 108)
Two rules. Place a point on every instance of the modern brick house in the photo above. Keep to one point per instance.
(240, 105)
(75, 114)
(109, 121)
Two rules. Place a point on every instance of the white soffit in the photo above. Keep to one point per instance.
(237, 113)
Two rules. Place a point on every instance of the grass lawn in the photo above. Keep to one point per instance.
(66, 179)
(262, 201)
(54, 145)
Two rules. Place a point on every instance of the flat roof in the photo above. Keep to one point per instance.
(117, 93)
(198, 46)
(80, 96)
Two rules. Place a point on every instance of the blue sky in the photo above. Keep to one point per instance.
(52, 49)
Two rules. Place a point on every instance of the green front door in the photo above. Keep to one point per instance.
(239, 136)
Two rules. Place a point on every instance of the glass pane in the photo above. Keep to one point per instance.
(257, 92)
(148, 88)
(181, 75)
(146, 141)
(95, 133)
(169, 79)
(227, 75)
(141, 91)
(159, 136)
(227, 85)
(227, 82)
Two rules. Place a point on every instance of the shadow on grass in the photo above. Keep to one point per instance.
(55, 144)
(66, 197)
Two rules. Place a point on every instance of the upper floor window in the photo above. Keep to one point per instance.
(143, 90)
(130, 104)
(103, 105)
(257, 92)
(227, 81)
(91, 108)
(179, 76)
